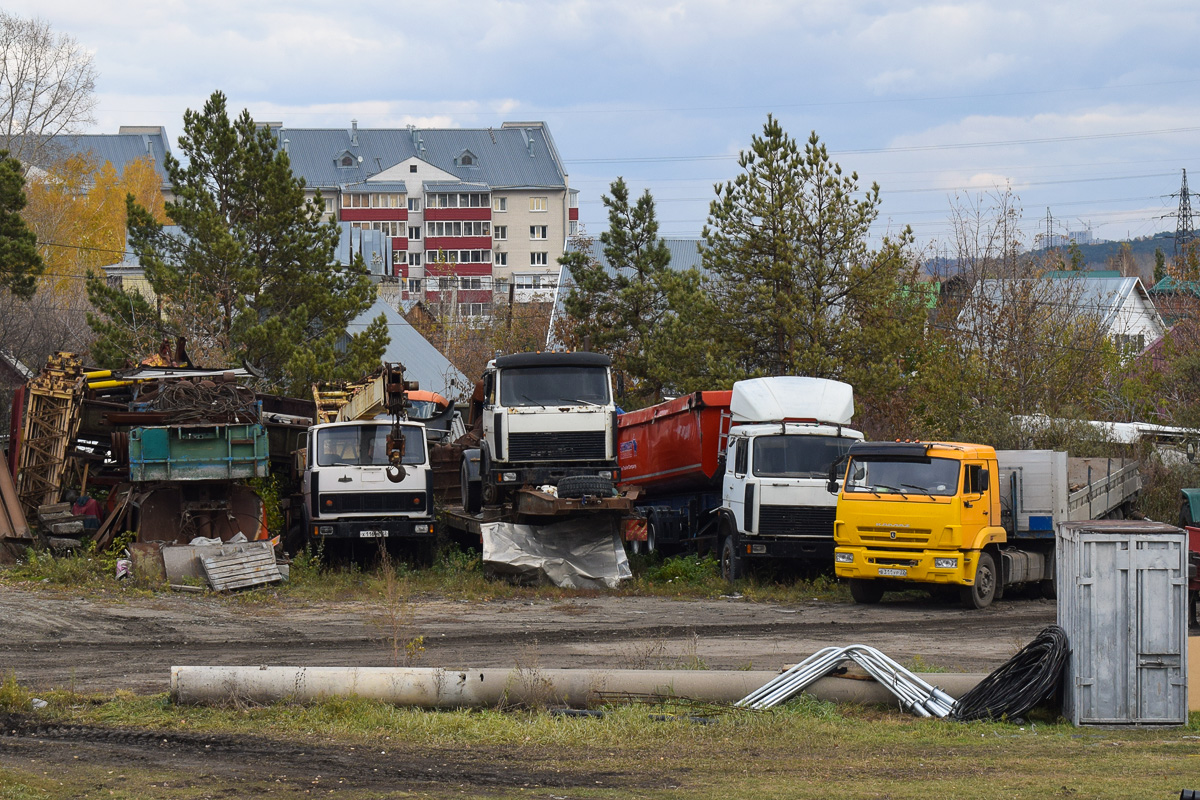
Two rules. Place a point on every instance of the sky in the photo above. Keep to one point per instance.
(1086, 110)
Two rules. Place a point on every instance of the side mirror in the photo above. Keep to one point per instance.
(984, 482)
(832, 487)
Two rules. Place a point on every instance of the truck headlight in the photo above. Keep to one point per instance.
(325, 530)
(605, 474)
(508, 477)
(844, 558)
(422, 528)
(945, 563)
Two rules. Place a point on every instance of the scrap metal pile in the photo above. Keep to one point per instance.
(165, 446)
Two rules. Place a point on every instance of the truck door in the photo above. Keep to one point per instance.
(977, 486)
(734, 491)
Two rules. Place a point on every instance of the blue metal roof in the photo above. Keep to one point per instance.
(121, 148)
(375, 186)
(422, 361)
(504, 157)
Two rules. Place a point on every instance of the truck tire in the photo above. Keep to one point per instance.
(981, 594)
(472, 491)
(866, 592)
(731, 560)
(583, 485)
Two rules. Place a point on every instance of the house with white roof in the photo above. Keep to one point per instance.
(1122, 305)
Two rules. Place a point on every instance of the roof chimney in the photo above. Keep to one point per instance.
(354, 133)
(286, 142)
(529, 141)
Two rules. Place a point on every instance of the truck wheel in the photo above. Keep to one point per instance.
(981, 594)
(1048, 589)
(472, 492)
(731, 560)
(582, 485)
(865, 592)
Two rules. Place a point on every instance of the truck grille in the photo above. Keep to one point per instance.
(897, 537)
(577, 446)
(796, 521)
(371, 502)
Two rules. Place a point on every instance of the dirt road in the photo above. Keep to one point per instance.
(55, 639)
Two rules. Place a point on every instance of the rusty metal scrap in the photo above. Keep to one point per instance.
(51, 421)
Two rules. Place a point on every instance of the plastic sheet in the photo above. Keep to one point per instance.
(574, 554)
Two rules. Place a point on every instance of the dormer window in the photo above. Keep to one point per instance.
(346, 159)
(465, 159)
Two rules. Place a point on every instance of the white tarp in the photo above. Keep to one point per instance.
(792, 397)
(575, 554)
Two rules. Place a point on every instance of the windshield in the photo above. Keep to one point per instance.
(554, 386)
(936, 476)
(423, 409)
(366, 445)
(797, 456)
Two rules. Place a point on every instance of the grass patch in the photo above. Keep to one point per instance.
(806, 749)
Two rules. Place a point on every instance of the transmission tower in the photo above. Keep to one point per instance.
(1184, 233)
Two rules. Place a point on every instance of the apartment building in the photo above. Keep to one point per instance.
(474, 216)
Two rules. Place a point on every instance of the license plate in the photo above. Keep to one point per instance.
(372, 534)
(893, 573)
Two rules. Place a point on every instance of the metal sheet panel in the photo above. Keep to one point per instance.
(1122, 599)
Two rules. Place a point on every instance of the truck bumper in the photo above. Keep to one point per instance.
(801, 549)
(518, 475)
(411, 529)
(921, 566)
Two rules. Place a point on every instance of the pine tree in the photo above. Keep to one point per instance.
(796, 287)
(20, 263)
(627, 309)
(250, 276)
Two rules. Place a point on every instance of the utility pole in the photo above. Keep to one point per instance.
(1185, 234)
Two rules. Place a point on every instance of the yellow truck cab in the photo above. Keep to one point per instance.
(924, 512)
(963, 515)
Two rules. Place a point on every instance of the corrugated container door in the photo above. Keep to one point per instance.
(1122, 599)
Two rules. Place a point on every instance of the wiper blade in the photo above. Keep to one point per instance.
(920, 489)
(891, 489)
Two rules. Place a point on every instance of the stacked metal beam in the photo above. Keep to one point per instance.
(913, 693)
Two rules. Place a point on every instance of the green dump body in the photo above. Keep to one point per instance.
(198, 452)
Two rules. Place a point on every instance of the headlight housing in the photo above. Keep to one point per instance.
(945, 563)
(844, 558)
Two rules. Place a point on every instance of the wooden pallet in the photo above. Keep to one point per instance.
(241, 565)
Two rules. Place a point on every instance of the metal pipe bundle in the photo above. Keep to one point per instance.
(913, 693)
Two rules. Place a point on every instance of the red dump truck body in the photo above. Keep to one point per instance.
(674, 446)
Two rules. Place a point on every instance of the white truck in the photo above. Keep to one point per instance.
(548, 419)
(741, 473)
(366, 473)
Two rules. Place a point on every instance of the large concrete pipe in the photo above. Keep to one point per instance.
(446, 688)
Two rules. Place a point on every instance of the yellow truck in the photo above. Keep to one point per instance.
(954, 515)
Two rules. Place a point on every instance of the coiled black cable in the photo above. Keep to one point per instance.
(1025, 680)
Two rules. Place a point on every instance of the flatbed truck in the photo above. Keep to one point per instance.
(964, 516)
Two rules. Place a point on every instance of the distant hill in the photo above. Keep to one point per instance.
(1101, 255)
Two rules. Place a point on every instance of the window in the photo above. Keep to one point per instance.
(470, 283)
(538, 232)
(389, 228)
(347, 161)
(385, 200)
(412, 167)
(459, 256)
(741, 457)
(500, 284)
(414, 284)
(574, 227)
(500, 204)
(537, 204)
(474, 309)
(500, 232)
(414, 231)
(500, 259)
(527, 281)
(414, 259)
(414, 203)
(538, 259)
(458, 228)
(975, 479)
(398, 258)
(115, 281)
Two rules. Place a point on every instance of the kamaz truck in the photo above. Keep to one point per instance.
(964, 517)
